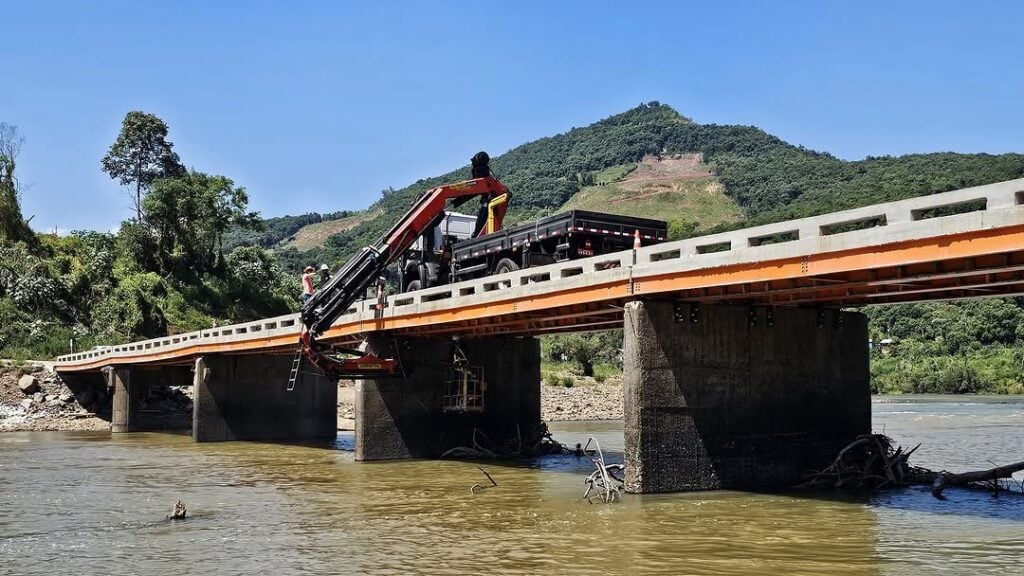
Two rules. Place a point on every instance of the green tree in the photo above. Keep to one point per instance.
(257, 282)
(26, 279)
(679, 229)
(132, 311)
(13, 227)
(141, 154)
(189, 215)
(586, 348)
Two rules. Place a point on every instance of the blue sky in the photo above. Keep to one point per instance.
(317, 106)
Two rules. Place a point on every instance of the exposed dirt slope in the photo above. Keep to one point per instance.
(314, 235)
(678, 187)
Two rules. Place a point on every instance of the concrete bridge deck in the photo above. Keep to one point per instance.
(908, 254)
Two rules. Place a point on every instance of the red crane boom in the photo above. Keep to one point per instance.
(352, 279)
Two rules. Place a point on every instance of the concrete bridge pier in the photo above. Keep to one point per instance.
(720, 396)
(407, 417)
(245, 398)
(130, 389)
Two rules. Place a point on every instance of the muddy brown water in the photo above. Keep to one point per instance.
(94, 503)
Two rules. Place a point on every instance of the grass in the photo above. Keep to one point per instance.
(614, 173)
(314, 235)
(702, 201)
(604, 371)
(568, 374)
(991, 370)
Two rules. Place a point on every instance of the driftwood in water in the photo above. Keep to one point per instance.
(480, 487)
(981, 478)
(178, 512)
(872, 463)
(605, 479)
(537, 442)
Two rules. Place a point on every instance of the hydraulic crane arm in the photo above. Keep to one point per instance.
(351, 281)
(346, 286)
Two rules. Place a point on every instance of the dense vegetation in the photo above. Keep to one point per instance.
(164, 271)
(193, 256)
(967, 347)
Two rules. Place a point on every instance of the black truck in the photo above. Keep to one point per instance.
(433, 246)
(448, 253)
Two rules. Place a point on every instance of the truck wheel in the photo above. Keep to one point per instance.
(505, 265)
(413, 286)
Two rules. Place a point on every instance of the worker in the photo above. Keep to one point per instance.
(325, 275)
(307, 284)
(492, 208)
(481, 163)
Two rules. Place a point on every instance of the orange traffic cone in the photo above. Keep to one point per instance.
(636, 239)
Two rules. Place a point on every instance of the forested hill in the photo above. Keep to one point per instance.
(768, 178)
(278, 230)
(704, 177)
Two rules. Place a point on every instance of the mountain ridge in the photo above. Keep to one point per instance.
(768, 178)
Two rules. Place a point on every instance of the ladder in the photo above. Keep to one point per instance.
(294, 374)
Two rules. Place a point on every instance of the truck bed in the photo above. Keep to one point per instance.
(562, 224)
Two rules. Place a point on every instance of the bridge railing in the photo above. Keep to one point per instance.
(990, 197)
(980, 207)
(265, 328)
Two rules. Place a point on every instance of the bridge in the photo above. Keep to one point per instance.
(737, 350)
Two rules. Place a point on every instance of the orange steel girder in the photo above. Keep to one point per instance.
(985, 263)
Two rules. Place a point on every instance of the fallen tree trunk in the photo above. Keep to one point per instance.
(941, 480)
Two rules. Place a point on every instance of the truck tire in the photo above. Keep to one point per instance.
(413, 286)
(505, 265)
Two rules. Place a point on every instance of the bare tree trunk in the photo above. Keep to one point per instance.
(941, 480)
(588, 367)
(138, 193)
(138, 201)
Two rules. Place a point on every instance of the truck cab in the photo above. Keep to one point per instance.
(428, 261)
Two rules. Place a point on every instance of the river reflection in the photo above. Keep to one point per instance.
(93, 503)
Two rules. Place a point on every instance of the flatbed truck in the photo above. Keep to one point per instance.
(448, 253)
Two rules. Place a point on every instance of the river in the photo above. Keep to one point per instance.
(94, 503)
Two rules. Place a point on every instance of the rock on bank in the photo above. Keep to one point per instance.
(586, 399)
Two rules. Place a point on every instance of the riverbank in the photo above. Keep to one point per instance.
(35, 399)
(586, 399)
(50, 405)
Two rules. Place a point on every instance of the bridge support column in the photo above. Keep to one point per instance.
(406, 417)
(737, 397)
(131, 408)
(245, 398)
(119, 380)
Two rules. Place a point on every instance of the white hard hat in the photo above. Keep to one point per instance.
(324, 267)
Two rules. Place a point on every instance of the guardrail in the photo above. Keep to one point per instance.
(981, 207)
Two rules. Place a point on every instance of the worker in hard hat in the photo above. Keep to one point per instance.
(325, 275)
